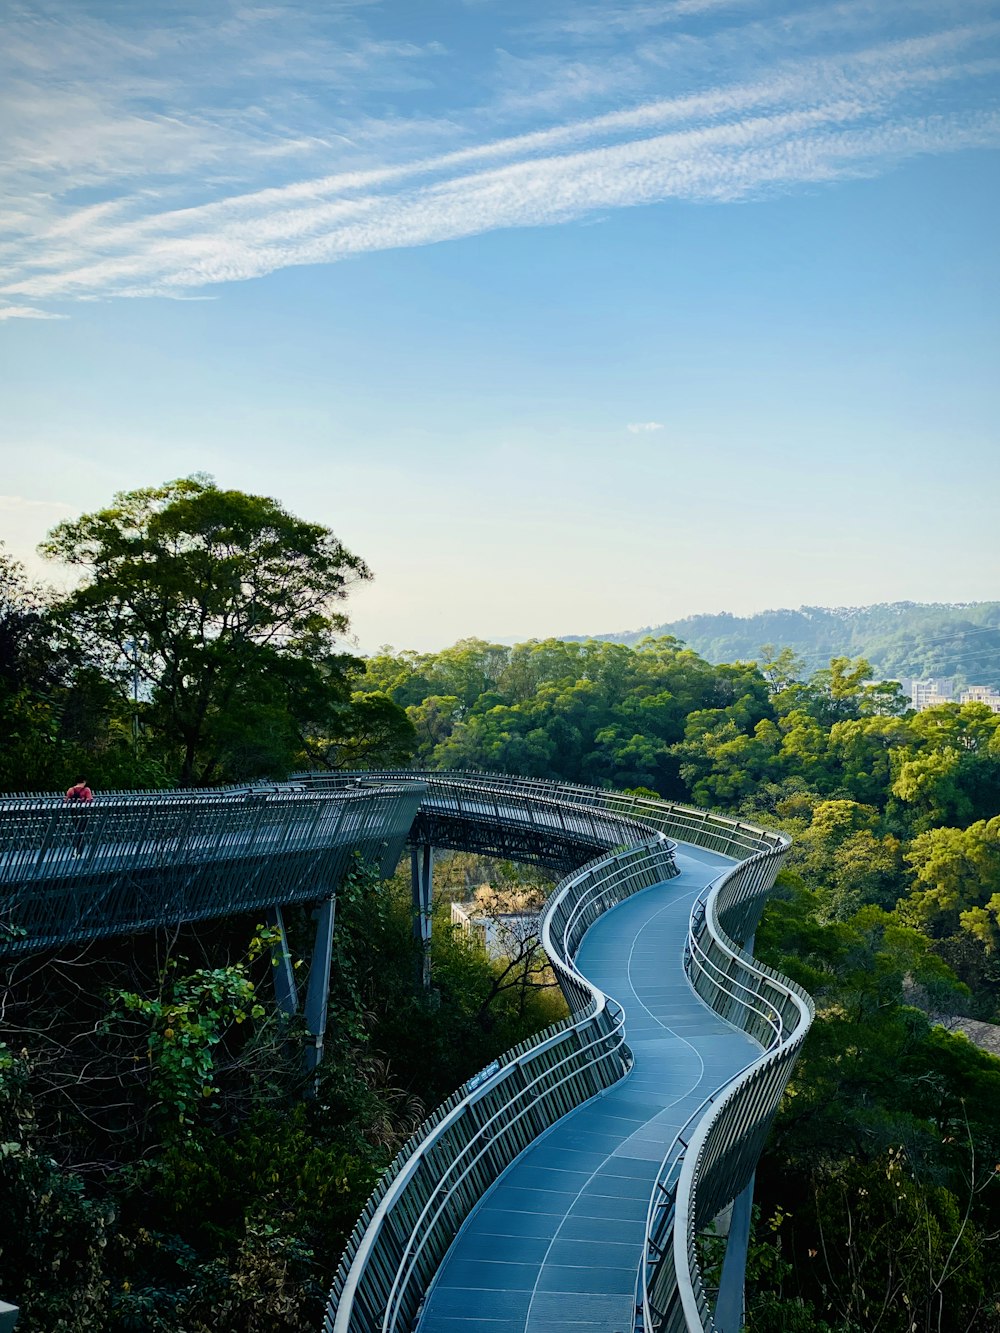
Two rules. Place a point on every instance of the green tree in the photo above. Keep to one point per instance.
(720, 763)
(839, 688)
(861, 750)
(226, 607)
(781, 669)
(957, 880)
(58, 715)
(950, 773)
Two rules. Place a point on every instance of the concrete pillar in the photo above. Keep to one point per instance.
(285, 992)
(318, 989)
(729, 1306)
(422, 883)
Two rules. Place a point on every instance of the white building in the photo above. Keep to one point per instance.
(930, 692)
(503, 935)
(981, 694)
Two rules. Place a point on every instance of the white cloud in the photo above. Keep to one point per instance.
(394, 181)
(643, 427)
(27, 312)
(598, 20)
(306, 224)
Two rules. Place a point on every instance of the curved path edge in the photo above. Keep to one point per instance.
(436, 1184)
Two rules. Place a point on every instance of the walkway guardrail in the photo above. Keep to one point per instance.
(714, 1156)
(517, 820)
(437, 1179)
(718, 833)
(135, 861)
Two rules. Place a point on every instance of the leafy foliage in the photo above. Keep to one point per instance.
(186, 1022)
(218, 611)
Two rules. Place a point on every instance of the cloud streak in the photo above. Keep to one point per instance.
(799, 123)
(28, 312)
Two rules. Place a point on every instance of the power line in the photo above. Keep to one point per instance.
(960, 634)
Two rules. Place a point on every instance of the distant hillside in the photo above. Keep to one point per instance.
(898, 638)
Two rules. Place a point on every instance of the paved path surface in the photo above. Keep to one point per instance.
(555, 1245)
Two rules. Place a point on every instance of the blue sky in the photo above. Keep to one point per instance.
(567, 317)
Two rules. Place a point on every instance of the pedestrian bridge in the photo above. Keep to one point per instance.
(564, 1189)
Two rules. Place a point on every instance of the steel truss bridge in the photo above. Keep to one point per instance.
(565, 1188)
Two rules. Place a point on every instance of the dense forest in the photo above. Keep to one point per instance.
(157, 1146)
(908, 639)
(879, 1193)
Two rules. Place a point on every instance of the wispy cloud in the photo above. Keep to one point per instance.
(170, 213)
(627, 16)
(643, 427)
(27, 312)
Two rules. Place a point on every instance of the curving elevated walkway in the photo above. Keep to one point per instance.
(554, 1247)
(562, 1189)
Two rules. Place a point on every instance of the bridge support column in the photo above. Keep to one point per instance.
(729, 1305)
(285, 992)
(422, 881)
(318, 989)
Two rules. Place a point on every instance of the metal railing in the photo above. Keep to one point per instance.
(714, 1155)
(704, 828)
(518, 820)
(135, 861)
(459, 1153)
(436, 1181)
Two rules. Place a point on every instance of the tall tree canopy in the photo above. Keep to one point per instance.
(220, 610)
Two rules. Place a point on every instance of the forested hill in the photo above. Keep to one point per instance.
(897, 638)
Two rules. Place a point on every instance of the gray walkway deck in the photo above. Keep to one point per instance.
(555, 1245)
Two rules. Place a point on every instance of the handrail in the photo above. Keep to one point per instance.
(776, 1024)
(415, 1248)
(381, 1280)
(706, 825)
(129, 862)
(731, 1122)
(386, 1267)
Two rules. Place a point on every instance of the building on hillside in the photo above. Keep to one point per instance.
(930, 692)
(502, 935)
(981, 694)
(937, 690)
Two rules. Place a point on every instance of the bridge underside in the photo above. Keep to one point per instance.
(101, 906)
(561, 851)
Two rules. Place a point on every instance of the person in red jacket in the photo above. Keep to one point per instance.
(78, 794)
